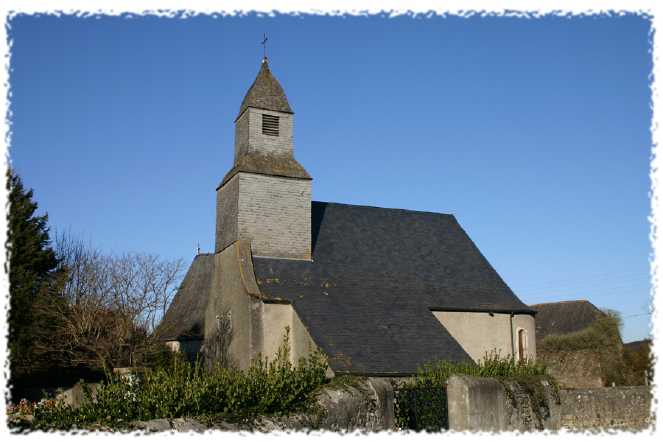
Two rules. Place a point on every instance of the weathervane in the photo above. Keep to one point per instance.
(264, 46)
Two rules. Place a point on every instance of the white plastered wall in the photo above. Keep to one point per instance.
(256, 328)
(229, 300)
(278, 317)
(480, 333)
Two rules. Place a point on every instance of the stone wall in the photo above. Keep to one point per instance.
(573, 369)
(474, 404)
(75, 396)
(611, 407)
(363, 403)
(484, 404)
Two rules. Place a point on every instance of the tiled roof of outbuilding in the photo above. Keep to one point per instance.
(265, 93)
(558, 318)
(376, 274)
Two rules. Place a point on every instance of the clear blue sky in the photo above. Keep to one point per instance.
(533, 133)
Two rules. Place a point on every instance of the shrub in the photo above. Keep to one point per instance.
(422, 404)
(493, 365)
(184, 389)
(639, 365)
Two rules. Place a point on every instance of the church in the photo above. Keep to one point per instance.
(379, 291)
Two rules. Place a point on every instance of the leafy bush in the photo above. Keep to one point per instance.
(421, 407)
(639, 365)
(422, 404)
(493, 365)
(183, 389)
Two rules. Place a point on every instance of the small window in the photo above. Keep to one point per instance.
(522, 345)
(270, 125)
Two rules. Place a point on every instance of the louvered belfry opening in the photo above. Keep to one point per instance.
(270, 125)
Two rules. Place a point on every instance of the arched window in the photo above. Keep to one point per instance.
(522, 345)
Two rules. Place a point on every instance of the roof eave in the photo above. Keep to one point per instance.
(245, 108)
(515, 311)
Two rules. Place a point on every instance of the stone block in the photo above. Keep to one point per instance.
(476, 404)
(607, 408)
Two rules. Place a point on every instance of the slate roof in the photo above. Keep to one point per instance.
(273, 165)
(184, 318)
(265, 93)
(556, 318)
(367, 295)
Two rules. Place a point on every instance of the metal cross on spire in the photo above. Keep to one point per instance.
(264, 46)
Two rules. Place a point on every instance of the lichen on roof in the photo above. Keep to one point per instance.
(274, 165)
(265, 93)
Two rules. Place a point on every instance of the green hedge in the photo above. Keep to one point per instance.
(184, 389)
(493, 365)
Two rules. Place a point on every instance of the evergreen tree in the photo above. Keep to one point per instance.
(32, 275)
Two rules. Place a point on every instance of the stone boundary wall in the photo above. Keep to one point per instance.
(626, 408)
(483, 404)
(486, 404)
(474, 404)
(361, 404)
(573, 369)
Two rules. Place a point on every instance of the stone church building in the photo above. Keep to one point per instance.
(379, 291)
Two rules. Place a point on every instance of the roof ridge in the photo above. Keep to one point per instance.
(564, 302)
(363, 206)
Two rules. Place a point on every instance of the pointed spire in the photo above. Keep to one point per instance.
(265, 93)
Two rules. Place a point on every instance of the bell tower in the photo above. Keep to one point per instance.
(266, 196)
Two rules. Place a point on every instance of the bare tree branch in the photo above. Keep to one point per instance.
(114, 303)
